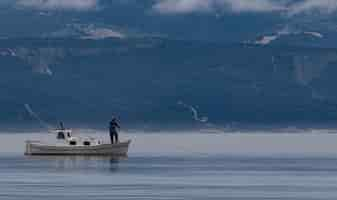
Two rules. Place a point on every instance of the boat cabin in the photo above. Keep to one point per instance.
(63, 134)
(66, 136)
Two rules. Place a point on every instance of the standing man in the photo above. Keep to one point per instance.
(61, 126)
(113, 130)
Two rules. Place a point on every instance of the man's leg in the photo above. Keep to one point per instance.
(111, 138)
(116, 137)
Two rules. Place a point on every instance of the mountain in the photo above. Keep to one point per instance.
(156, 80)
(193, 65)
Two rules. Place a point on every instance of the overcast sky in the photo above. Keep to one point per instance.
(291, 7)
(58, 4)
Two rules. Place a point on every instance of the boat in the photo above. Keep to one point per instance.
(67, 144)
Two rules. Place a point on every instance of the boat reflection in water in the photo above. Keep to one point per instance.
(77, 163)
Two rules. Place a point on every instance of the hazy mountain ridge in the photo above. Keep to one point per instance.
(157, 80)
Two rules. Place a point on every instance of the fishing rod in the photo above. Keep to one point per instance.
(36, 116)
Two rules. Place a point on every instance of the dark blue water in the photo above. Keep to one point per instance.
(167, 177)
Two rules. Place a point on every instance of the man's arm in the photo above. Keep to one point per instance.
(117, 125)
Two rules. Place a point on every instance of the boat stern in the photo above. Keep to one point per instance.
(29, 147)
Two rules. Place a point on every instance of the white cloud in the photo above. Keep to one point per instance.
(59, 4)
(252, 5)
(322, 6)
(183, 6)
(291, 7)
(189, 6)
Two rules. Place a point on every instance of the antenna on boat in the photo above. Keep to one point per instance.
(34, 115)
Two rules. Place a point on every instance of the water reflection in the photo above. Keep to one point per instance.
(114, 164)
(76, 163)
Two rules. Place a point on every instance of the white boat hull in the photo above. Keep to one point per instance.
(118, 149)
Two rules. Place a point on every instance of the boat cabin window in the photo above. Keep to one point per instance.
(86, 143)
(60, 135)
(72, 142)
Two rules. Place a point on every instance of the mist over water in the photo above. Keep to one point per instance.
(195, 143)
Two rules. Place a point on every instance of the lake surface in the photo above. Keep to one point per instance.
(179, 166)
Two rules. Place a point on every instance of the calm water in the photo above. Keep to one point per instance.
(208, 174)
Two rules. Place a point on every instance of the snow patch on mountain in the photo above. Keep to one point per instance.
(194, 112)
(91, 31)
(267, 39)
(101, 33)
(315, 34)
(264, 40)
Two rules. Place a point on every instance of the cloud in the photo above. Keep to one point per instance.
(183, 6)
(307, 6)
(58, 4)
(290, 7)
(252, 5)
(190, 6)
